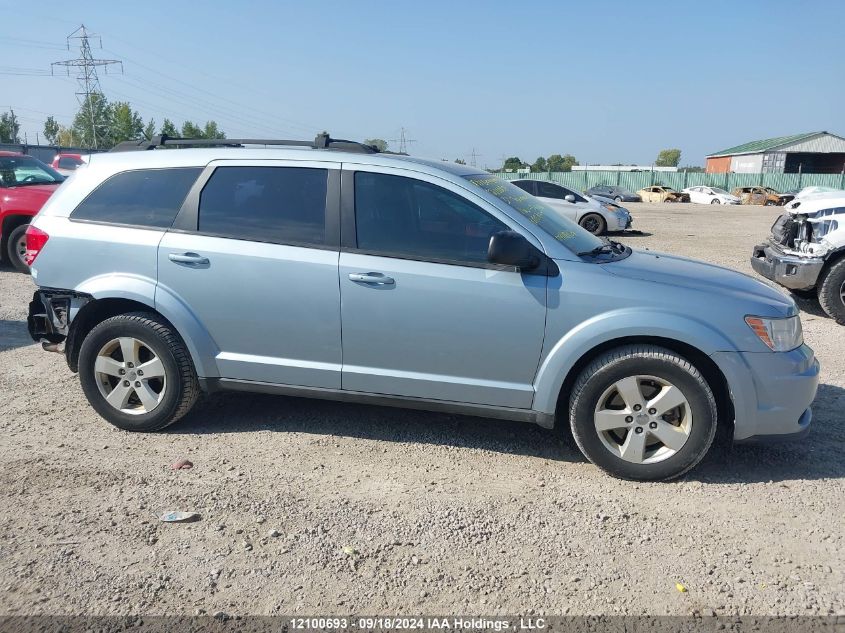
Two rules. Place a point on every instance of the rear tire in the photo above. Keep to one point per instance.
(16, 248)
(593, 223)
(831, 291)
(627, 441)
(112, 359)
(618, 199)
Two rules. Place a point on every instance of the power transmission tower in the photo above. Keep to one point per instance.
(86, 75)
(403, 141)
(474, 158)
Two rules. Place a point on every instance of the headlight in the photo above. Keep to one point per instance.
(779, 335)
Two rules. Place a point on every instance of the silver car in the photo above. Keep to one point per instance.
(334, 271)
(594, 215)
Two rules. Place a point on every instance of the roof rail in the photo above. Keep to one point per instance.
(323, 141)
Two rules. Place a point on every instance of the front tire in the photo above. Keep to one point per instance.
(715, 201)
(136, 372)
(593, 223)
(16, 248)
(831, 291)
(642, 412)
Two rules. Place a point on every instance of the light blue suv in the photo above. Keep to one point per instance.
(334, 271)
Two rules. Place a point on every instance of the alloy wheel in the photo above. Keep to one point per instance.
(130, 376)
(643, 419)
(20, 250)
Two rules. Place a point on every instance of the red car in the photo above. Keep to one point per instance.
(25, 185)
(66, 164)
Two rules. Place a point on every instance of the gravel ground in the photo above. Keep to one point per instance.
(317, 507)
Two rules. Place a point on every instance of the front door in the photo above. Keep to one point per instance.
(258, 267)
(424, 315)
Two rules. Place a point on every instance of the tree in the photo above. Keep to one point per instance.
(51, 130)
(460, 161)
(692, 169)
(192, 130)
(212, 131)
(126, 123)
(65, 137)
(379, 143)
(540, 165)
(668, 158)
(9, 128)
(92, 124)
(513, 163)
(556, 162)
(168, 128)
(150, 129)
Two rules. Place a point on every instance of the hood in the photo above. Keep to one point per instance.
(693, 274)
(26, 198)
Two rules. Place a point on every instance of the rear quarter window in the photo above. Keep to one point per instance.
(143, 197)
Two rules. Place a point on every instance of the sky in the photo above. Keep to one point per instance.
(607, 81)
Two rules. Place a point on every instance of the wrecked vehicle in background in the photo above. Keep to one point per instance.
(758, 195)
(659, 193)
(806, 252)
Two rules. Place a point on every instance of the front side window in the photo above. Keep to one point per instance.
(144, 197)
(525, 185)
(266, 204)
(542, 215)
(20, 171)
(548, 190)
(410, 218)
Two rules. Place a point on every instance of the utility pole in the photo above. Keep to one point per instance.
(89, 83)
(403, 141)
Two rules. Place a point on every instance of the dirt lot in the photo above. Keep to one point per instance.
(445, 514)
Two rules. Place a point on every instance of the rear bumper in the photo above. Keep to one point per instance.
(51, 312)
(771, 392)
(790, 271)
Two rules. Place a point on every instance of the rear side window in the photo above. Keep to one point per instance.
(266, 204)
(145, 197)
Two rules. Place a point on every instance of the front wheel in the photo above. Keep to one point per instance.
(16, 248)
(715, 201)
(642, 412)
(593, 223)
(831, 291)
(136, 372)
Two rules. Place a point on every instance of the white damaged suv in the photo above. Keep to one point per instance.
(806, 251)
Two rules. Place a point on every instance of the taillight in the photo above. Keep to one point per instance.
(35, 241)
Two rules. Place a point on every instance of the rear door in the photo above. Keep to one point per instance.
(424, 314)
(254, 255)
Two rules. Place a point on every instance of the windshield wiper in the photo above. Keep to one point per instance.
(607, 247)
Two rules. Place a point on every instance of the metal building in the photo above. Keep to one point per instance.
(811, 153)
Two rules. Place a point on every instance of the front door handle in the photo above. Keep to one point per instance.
(191, 259)
(376, 279)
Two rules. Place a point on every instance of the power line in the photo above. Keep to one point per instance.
(89, 83)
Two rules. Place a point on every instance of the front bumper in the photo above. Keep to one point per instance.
(771, 392)
(790, 271)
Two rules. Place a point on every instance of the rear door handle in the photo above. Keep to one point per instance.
(188, 258)
(376, 279)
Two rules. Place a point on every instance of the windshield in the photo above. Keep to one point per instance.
(717, 190)
(559, 227)
(19, 171)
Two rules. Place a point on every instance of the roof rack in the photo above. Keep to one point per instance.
(323, 141)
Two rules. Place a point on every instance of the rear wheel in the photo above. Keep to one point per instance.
(16, 248)
(618, 198)
(136, 372)
(642, 412)
(831, 291)
(593, 223)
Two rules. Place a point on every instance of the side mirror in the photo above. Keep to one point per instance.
(509, 248)
(569, 197)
